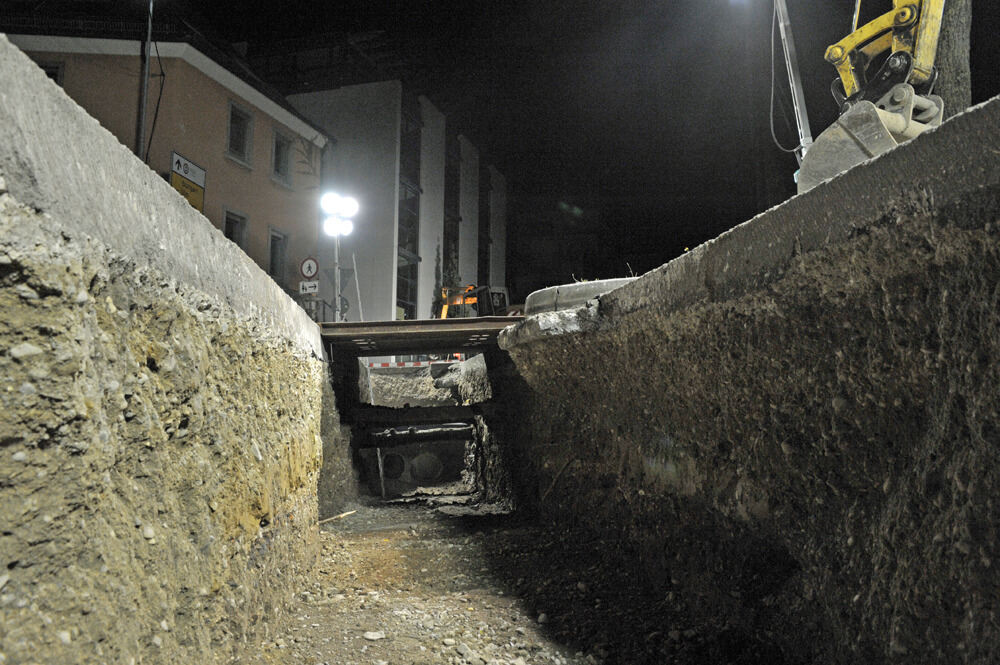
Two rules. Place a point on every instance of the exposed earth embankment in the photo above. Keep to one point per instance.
(161, 408)
(797, 423)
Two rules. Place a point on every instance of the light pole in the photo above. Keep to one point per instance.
(340, 210)
(794, 80)
(140, 122)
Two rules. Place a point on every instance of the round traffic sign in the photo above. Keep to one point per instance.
(309, 267)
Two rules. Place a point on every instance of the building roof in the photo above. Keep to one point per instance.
(33, 30)
(329, 60)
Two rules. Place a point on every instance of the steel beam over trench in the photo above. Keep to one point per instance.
(388, 338)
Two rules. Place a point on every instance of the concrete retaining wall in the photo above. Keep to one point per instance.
(396, 387)
(161, 428)
(796, 425)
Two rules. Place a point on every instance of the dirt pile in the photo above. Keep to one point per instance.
(159, 459)
(160, 407)
(811, 461)
(468, 381)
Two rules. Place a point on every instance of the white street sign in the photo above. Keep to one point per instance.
(309, 267)
(188, 169)
(309, 287)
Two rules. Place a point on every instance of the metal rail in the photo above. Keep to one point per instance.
(388, 338)
(794, 80)
(404, 436)
(384, 416)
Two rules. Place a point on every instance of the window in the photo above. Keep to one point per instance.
(240, 133)
(276, 255)
(54, 70)
(281, 159)
(235, 228)
(406, 287)
(409, 216)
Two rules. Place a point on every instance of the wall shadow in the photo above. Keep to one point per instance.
(600, 597)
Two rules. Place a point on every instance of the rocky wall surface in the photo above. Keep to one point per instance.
(338, 481)
(398, 387)
(796, 426)
(159, 459)
(161, 408)
(492, 384)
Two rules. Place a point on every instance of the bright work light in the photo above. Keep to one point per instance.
(338, 210)
(348, 207)
(337, 226)
(340, 206)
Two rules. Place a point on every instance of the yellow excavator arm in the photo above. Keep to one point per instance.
(909, 33)
(879, 110)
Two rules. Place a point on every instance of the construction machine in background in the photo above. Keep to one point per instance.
(402, 450)
(886, 75)
(472, 301)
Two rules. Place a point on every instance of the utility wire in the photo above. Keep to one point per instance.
(857, 14)
(774, 137)
(159, 97)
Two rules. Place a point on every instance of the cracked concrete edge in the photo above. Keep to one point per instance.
(950, 166)
(571, 296)
(60, 161)
(550, 324)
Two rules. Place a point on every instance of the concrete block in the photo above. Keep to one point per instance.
(57, 159)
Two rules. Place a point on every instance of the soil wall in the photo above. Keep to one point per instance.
(161, 427)
(796, 425)
(399, 387)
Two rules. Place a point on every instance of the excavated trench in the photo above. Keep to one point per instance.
(785, 440)
(420, 431)
(781, 447)
(451, 572)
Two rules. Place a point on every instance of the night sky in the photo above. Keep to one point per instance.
(651, 116)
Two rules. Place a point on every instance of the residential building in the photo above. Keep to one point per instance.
(433, 183)
(493, 233)
(236, 150)
(431, 214)
(255, 157)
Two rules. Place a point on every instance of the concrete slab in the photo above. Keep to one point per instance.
(952, 166)
(56, 158)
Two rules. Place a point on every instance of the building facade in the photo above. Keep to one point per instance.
(245, 159)
(496, 262)
(255, 159)
(422, 221)
(432, 205)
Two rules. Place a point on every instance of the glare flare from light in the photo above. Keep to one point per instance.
(337, 226)
(348, 207)
(329, 203)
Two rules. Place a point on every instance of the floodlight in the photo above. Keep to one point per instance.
(330, 203)
(347, 207)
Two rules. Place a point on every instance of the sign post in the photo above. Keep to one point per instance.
(189, 179)
(308, 286)
(309, 267)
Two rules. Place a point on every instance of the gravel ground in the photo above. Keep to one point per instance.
(403, 584)
(400, 584)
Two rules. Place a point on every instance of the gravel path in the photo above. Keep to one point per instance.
(412, 585)
(402, 584)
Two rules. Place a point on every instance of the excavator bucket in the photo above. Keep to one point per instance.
(856, 136)
(867, 130)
